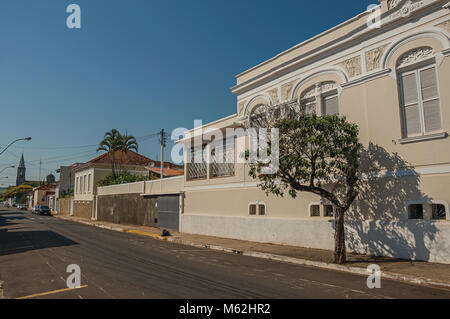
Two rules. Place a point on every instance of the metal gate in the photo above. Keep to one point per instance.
(169, 212)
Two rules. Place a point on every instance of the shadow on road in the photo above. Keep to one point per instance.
(15, 240)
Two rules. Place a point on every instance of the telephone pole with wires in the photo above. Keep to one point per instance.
(163, 144)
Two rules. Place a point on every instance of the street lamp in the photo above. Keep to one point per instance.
(7, 168)
(19, 139)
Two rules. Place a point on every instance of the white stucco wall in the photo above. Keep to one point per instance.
(411, 239)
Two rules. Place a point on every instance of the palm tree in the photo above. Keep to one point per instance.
(128, 143)
(113, 142)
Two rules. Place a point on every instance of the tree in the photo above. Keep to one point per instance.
(321, 155)
(128, 143)
(18, 192)
(113, 142)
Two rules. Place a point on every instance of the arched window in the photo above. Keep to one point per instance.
(258, 117)
(420, 101)
(321, 98)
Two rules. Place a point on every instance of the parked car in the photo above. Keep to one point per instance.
(41, 210)
(21, 206)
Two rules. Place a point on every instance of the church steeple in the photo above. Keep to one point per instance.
(21, 172)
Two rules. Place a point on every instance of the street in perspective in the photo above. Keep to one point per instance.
(130, 170)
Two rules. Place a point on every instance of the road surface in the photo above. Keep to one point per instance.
(36, 250)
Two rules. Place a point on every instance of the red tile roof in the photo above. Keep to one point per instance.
(126, 158)
(167, 171)
(45, 187)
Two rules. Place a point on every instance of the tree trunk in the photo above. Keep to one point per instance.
(339, 237)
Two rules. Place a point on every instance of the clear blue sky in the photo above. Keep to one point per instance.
(136, 65)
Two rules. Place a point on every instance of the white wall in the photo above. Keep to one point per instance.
(410, 239)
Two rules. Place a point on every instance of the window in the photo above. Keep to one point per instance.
(329, 211)
(438, 212)
(89, 183)
(314, 211)
(262, 209)
(421, 108)
(258, 117)
(222, 158)
(257, 208)
(330, 105)
(77, 186)
(321, 97)
(415, 211)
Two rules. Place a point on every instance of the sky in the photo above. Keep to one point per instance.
(135, 65)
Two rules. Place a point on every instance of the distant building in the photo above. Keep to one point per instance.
(50, 178)
(44, 195)
(89, 174)
(21, 172)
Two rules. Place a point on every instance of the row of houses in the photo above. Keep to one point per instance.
(76, 190)
(390, 78)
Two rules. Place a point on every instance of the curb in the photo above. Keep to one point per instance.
(318, 264)
(292, 260)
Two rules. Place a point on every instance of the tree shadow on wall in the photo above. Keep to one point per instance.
(377, 223)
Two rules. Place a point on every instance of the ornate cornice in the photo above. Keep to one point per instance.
(415, 55)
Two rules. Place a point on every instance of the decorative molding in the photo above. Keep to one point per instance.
(393, 3)
(373, 58)
(286, 91)
(352, 66)
(445, 25)
(339, 71)
(318, 88)
(439, 58)
(262, 99)
(367, 78)
(241, 106)
(310, 92)
(423, 138)
(274, 96)
(427, 33)
(408, 8)
(415, 55)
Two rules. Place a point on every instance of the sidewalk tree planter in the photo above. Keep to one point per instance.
(317, 154)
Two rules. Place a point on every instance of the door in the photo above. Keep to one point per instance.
(169, 212)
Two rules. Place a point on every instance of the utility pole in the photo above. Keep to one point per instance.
(163, 144)
(40, 168)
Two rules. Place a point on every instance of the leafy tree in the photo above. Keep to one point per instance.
(321, 155)
(123, 178)
(18, 191)
(113, 142)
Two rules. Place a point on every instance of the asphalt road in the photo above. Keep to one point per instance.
(36, 250)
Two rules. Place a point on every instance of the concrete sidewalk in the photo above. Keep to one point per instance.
(417, 272)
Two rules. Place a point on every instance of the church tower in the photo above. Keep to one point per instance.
(21, 172)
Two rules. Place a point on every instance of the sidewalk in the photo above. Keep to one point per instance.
(417, 272)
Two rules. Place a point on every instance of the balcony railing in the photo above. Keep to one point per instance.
(221, 169)
(196, 171)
